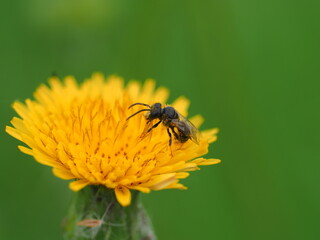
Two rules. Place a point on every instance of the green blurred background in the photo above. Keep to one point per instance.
(250, 67)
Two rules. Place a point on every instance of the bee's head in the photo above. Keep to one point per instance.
(155, 112)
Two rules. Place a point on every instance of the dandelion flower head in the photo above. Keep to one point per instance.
(81, 132)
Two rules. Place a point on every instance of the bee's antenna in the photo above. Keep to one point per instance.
(142, 110)
(139, 104)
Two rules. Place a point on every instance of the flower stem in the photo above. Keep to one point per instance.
(96, 214)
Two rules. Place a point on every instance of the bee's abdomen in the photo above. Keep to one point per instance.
(183, 137)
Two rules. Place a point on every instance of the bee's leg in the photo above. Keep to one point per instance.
(170, 136)
(170, 140)
(175, 134)
(154, 126)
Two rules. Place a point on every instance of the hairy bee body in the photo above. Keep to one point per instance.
(176, 124)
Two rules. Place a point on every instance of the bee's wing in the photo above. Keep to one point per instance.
(186, 126)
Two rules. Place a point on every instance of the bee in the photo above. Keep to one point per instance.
(176, 124)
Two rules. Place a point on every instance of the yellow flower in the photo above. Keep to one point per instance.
(82, 133)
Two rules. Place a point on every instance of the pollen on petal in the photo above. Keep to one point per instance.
(123, 195)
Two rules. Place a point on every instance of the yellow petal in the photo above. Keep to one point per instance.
(181, 104)
(55, 84)
(161, 181)
(141, 189)
(21, 109)
(70, 82)
(26, 150)
(63, 173)
(176, 185)
(161, 95)
(45, 159)
(19, 124)
(78, 185)
(123, 195)
(210, 134)
(190, 166)
(133, 89)
(197, 120)
(13, 132)
(147, 91)
(203, 161)
(182, 175)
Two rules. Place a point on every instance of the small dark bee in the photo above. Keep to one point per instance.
(182, 128)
